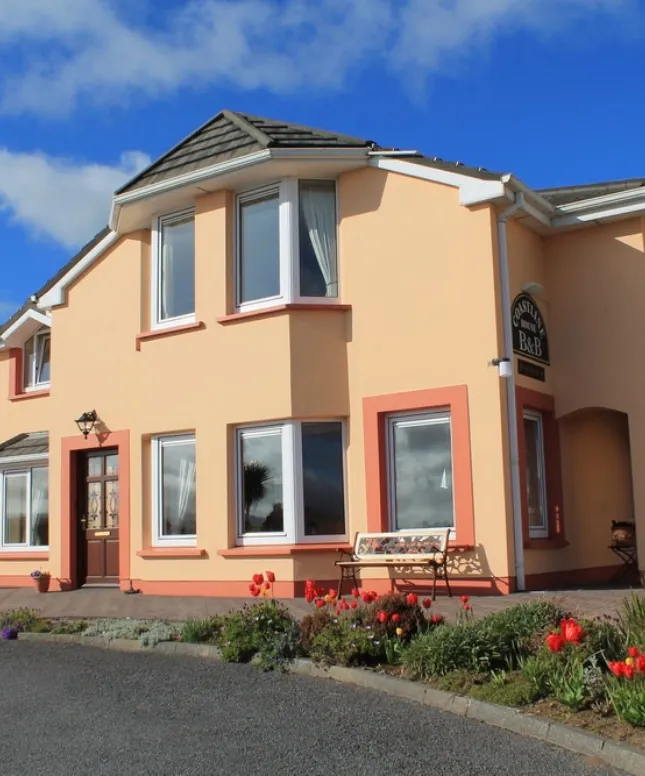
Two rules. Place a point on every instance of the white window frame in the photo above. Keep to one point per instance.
(539, 532)
(156, 322)
(158, 538)
(422, 418)
(25, 469)
(287, 190)
(35, 361)
(292, 484)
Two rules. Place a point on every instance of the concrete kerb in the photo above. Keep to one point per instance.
(618, 755)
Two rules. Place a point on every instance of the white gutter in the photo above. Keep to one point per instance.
(511, 403)
(13, 459)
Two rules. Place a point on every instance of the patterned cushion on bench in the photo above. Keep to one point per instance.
(408, 545)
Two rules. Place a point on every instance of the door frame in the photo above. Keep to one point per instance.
(70, 446)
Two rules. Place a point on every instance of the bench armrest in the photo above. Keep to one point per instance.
(345, 555)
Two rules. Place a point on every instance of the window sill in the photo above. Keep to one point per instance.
(545, 544)
(24, 555)
(268, 312)
(172, 552)
(29, 395)
(168, 332)
(278, 550)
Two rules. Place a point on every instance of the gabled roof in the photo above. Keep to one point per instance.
(230, 135)
(25, 445)
(565, 195)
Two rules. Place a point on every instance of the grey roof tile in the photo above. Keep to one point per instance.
(565, 195)
(25, 445)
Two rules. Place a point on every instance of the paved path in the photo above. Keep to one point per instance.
(74, 711)
(112, 603)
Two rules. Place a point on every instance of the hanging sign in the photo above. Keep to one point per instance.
(529, 332)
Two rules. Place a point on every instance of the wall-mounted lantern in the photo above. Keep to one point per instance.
(86, 422)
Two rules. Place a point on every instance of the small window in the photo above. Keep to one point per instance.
(174, 270)
(420, 471)
(25, 508)
(317, 233)
(174, 482)
(258, 246)
(291, 485)
(37, 360)
(535, 476)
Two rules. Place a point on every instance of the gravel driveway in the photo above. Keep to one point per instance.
(68, 710)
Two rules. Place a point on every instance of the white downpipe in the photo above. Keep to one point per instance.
(516, 492)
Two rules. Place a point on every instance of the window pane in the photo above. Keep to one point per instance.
(262, 500)
(534, 473)
(422, 473)
(178, 489)
(318, 270)
(177, 288)
(15, 509)
(322, 476)
(40, 507)
(28, 365)
(43, 358)
(259, 236)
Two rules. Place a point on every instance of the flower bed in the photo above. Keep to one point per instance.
(590, 673)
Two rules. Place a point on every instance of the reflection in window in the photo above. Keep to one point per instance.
(262, 498)
(535, 480)
(25, 508)
(176, 468)
(421, 488)
(176, 287)
(259, 248)
(323, 479)
(37, 359)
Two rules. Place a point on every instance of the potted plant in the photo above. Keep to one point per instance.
(41, 580)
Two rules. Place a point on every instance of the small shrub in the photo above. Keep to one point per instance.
(632, 620)
(400, 614)
(459, 681)
(537, 670)
(21, 619)
(311, 626)
(40, 626)
(236, 641)
(69, 627)
(117, 629)
(627, 698)
(604, 638)
(206, 631)
(279, 648)
(157, 632)
(567, 681)
(512, 690)
(345, 643)
(448, 648)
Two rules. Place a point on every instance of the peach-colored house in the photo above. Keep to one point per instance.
(285, 336)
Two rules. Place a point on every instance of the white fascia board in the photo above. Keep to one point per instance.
(619, 211)
(24, 459)
(601, 203)
(56, 294)
(30, 318)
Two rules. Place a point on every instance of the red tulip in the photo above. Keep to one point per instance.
(258, 579)
(337, 612)
(426, 603)
(464, 599)
(640, 664)
(255, 593)
(555, 642)
(267, 586)
(628, 672)
(252, 586)
(382, 617)
(309, 596)
(396, 618)
(320, 592)
(367, 598)
(466, 607)
(354, 605)
(320, 602)
(633, 652)
(571, 631)
(310, 584)
(333, 593)
(436, 619)
(412, 599)
(616, 667)
(344, 605)
(356, 592)
(270, 576)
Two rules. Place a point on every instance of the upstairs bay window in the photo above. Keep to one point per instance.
(287, 244)
(173, 270)
(37, 361)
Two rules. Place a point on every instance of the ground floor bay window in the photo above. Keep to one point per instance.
(290, 482)
(420, 471)
(174, 483)
(24, 508)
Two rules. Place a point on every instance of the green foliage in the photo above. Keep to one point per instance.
(311, 625)
(69, 627)
(345, 643)
(409, 618)
(459, 681)
(632, 621)
(206, 631)
(567, 681)
(158, 631)
(604, 638)
(628, 699)
(22, 619)
(448, 648)
(507, 690)
(236, 641)
(537, 670)
(148, 632)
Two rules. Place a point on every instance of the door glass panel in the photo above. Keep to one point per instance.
(112, 504)
(112, 465)
(94, 505)
(94, 467)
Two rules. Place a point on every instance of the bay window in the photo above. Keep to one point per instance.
(173, 270)
(291, 482)
(287, 244)
(536, 496)
(420, 471)
(37, 360)
(24, 506)
(174, 486)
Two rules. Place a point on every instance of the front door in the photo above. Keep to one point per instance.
(98, 555)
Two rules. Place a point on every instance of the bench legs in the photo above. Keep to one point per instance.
(346, 572)
(443, 575)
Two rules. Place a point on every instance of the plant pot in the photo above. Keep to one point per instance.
(623, 533)
(42, 583)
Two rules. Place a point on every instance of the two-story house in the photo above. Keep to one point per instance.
(285, 336)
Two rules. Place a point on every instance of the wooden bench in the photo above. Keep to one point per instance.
(427, 549)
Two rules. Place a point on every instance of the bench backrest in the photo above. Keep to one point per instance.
(403, 545)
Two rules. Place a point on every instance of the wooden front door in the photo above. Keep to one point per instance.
(99, 518)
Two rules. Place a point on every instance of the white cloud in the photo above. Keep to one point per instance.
(103, 51)
(61, 199)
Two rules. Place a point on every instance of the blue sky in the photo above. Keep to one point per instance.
(91, 90)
